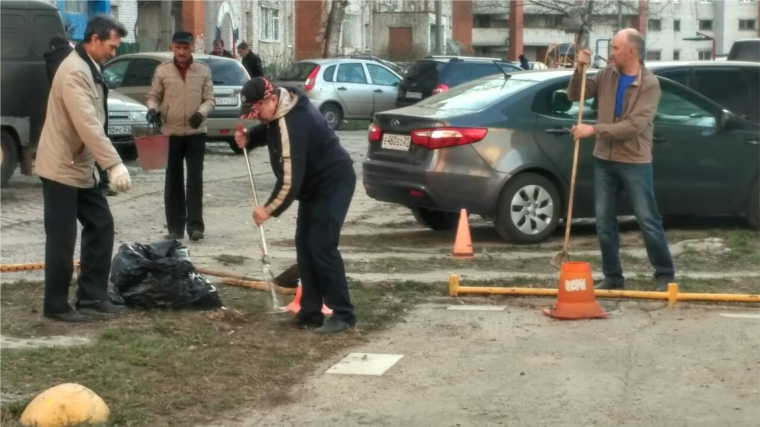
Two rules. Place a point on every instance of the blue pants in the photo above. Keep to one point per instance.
(610, 178)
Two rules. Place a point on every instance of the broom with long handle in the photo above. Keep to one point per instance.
(265, 252)
(563, 256)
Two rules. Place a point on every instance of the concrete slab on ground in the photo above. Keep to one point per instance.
(642, 366)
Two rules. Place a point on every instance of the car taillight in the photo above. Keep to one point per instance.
(447, 137)
(440, 88)
(375, 133)
(312, 79)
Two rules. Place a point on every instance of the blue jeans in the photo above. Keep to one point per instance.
(610, 178)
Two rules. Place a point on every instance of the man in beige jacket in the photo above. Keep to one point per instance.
(180, 98)
(73, 139)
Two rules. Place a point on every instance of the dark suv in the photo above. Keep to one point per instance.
(735, 85)
(436, 74)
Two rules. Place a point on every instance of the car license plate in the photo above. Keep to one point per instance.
(415, 95)
(226, 101)
(396, 142)
(119, 130)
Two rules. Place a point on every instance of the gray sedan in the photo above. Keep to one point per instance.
(501, 148)
(343, 88)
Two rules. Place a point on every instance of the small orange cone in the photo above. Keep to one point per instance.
(463, 243)
(295, 306)
(575, 297)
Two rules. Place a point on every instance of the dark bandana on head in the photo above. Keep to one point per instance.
(253, 114)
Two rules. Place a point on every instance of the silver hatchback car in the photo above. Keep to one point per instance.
(344, 88)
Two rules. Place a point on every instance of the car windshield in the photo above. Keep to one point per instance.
(226, 73)
(297, 72)
(475, 95)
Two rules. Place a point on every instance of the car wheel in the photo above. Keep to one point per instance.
(127, 153)
(8, 157)
(333, 115)
(753, 210)
(436, 220)
(529, 209)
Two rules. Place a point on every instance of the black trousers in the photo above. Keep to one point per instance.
(323, 275)
(64, 205)
(185, 210)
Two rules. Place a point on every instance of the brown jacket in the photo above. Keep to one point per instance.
(627, 139)
(73, 137)
(177, 99)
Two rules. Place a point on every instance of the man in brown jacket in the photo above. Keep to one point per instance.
(180, 98)
(73, 139)
(628, 96)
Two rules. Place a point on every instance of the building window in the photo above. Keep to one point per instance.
(705, 55)
(676, 55)
(75, 6)
(705, 24)
(269, 24)
(352, 31)
(747, 24)
(677, 25)
(654, 25)
(654, 55)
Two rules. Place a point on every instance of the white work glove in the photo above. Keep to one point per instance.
(119, 177)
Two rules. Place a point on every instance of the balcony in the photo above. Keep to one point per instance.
(490, 36)
(544, 36)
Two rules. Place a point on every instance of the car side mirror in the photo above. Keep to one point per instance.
(726, 120)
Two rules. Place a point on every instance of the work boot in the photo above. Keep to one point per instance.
(70, 317)
(610, 284)
(102, 307)
(296, 323)
(662, 283)
(174, 236)
(332, 326)
(196, 235)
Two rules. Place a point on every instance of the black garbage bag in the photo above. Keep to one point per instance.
(160, 275)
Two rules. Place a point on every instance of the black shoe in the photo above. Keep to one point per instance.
(196, 235)
(297, 323)
(609, 284)
(70, 317)
(103, 307)
(662, 284)
(332, 326)
(174, 236)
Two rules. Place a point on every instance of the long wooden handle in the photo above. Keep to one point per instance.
(575, 161)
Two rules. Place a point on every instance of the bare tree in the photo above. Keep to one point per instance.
(332, 30)
(584, 15)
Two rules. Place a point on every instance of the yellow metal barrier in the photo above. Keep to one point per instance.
(672, 295)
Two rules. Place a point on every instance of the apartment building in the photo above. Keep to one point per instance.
(718, 21)
(508, 29)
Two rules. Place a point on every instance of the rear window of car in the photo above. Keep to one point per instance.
(475, 95)
(748, 50)
(226, 73)
(425, 70)
(297, 72)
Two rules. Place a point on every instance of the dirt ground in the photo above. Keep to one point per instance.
(640, 367)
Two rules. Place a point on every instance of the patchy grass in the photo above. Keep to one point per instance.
(349, 125)
(227, 259)
(180, 368)
(693, 261)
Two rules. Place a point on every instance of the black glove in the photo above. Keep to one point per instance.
(195, 120)
(152, 116)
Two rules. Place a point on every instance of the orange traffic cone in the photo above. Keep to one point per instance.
(463, 243)
(575, 296)
(295, 306)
